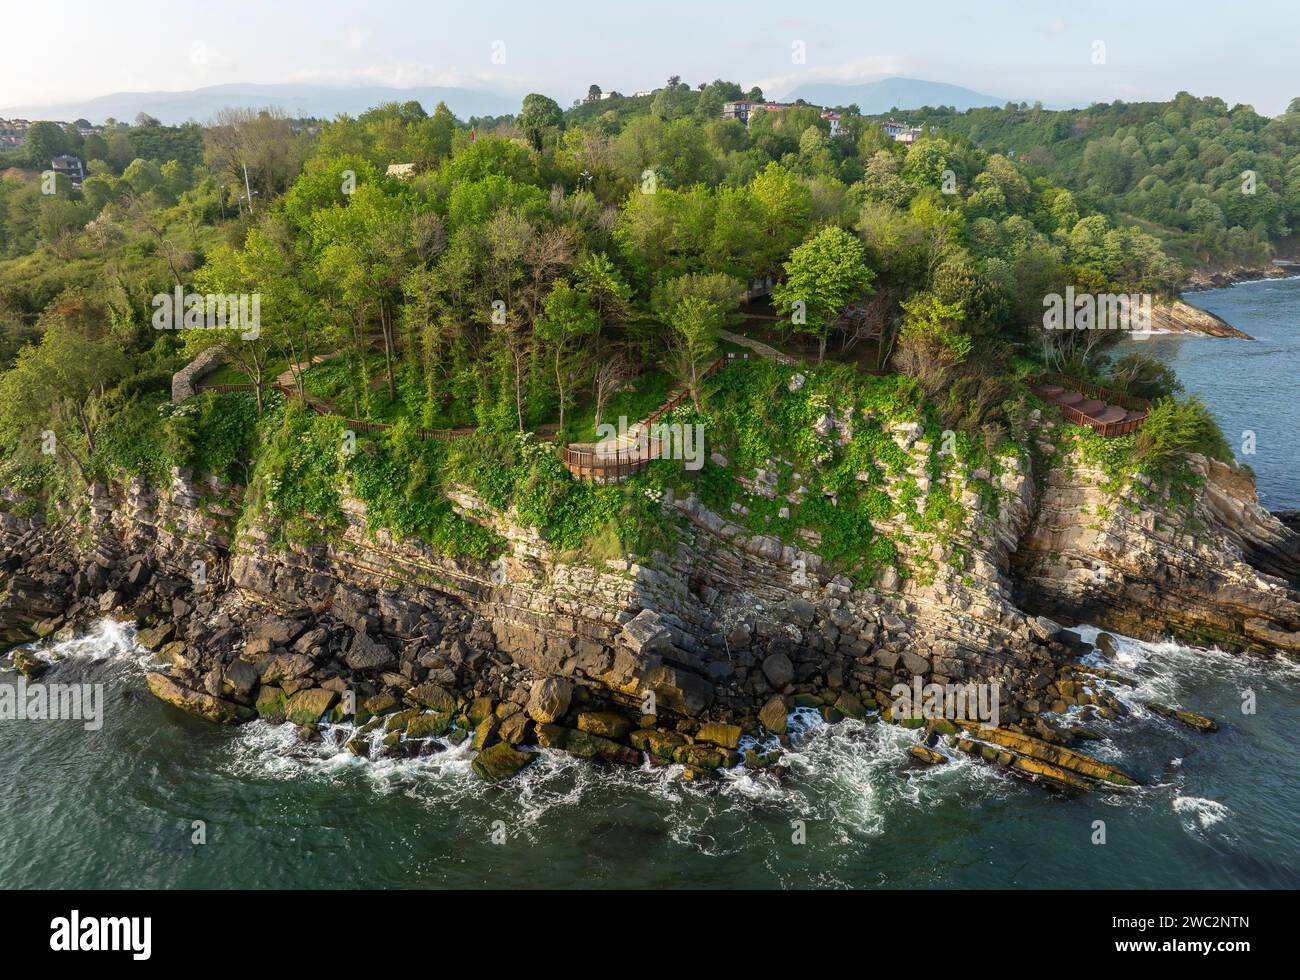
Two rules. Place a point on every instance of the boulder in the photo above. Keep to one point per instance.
(365, 653)
(198, 703)
(548, 699)
(308, 706)
(604, 723)
(646, 633)
(500, 761)
(778, 670)
(515, 729)
(774, 717)
(726, 736)
(435, 696)
(239, 680)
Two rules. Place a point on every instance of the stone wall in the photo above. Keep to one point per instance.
(184, 380)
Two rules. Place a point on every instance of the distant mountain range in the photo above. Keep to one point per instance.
(874, 98)
(173, 108)
(325, 102)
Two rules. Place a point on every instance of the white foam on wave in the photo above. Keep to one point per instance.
(1198, 813)
(849, 776)
(107, 640)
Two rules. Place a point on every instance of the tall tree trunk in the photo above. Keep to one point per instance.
(388, 350)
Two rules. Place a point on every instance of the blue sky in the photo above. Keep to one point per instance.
(60, 50)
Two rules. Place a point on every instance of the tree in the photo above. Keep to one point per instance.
(695, 308)
(823, 276)
(45, 141)
(53, 386)
(537, 116)
(568, 318)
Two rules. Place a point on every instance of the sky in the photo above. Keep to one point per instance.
(64, 50)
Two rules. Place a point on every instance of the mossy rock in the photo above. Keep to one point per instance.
(716, 733)
(941, 726)
(698, 756)
(656, 742)
(500, 762)
(479, 709)
(606, 724)
(270, 704)
(600, 749)
(308, 706)
(430, 725)
(398, 721)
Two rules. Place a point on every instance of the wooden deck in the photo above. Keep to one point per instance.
(1108, 413)
(614, 460)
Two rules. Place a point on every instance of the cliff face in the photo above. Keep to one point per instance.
(1179, 317)
(722, 627)
(1218, 570)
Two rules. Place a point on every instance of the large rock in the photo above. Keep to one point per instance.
(604, 723)
(500, 761)
(774, 716)
(548, 699)
(435, 696)
(198, 703)
(307, 707)
(646, 633)
(727, 736)
(365, 653)
(778, 670)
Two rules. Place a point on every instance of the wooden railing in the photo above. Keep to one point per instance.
(587, 461)
(1096, 392)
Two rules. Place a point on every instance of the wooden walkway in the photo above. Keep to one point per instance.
(1108, 413)
(614, 460)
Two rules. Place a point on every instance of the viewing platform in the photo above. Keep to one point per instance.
(1109, 413)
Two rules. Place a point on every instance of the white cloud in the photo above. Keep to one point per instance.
(357, 38)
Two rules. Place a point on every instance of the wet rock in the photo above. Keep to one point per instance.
(270, 704)
(428, 725)
(501, 761)
(774, 717)
(928, 756)
(656, 742)
(308, 706)
(1191, 719)
(726, 736)
(604, 723)
(196, 702)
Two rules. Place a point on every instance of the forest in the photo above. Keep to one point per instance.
(519, 280)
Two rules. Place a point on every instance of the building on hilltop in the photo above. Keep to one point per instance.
(901, 132)
(70, 167)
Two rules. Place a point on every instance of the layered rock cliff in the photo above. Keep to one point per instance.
(721, 632)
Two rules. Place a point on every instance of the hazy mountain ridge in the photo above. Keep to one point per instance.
(890, 93)
(173, 108)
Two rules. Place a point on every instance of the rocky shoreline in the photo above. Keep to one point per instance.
(1202, 279)
(693, 657)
